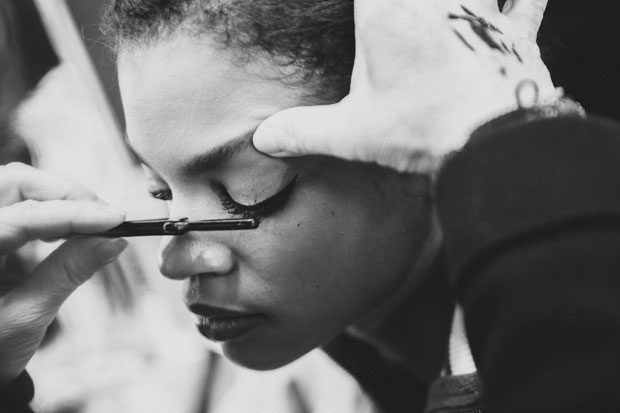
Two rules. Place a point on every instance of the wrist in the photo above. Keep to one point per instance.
(507, 107)
(449, 130)
(531, 108)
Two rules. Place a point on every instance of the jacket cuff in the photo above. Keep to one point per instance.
(525, 180)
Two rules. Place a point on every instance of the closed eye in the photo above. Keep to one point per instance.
(257, 211)
(260, 210)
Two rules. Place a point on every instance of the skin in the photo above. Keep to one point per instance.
(339, 250)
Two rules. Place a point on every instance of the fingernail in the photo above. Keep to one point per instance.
(280, 154)
(109, 250)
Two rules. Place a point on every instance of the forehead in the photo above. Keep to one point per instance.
(186, 96)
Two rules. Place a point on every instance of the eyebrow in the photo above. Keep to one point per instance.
(212, 159)
(217, 156)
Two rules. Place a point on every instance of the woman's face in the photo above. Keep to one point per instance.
(335, 240)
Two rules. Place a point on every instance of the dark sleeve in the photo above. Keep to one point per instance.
(16, 396)
(531, 216)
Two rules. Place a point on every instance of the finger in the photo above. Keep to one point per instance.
(367, 10)
(30, 220)
(527, 14)
(19, 182)
(478, 6)
(304, 130)
(343, 130)
(65, 269)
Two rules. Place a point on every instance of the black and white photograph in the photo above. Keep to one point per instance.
(309, 206)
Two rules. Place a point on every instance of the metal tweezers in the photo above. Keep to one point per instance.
(152, 227)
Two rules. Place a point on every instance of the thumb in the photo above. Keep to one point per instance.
(306, 130)
(67, 268)
(527, 14)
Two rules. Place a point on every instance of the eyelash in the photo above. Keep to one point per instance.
(257, 211)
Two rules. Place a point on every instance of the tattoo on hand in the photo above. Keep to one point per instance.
(460, 36)
(474, 18)
(484, 30)
(514, 50)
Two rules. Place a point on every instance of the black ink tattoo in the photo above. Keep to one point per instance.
(483, 21)
(514, 50)
(505, 47)
(460, 36)
(486, 37)
(484, 30)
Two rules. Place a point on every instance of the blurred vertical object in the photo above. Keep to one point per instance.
(33, 46)
(25, 57)
(87, 15)
(126, 343)
(72, 131)
(68, 43)
(579, 42)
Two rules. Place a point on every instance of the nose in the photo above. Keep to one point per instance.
(181, 257)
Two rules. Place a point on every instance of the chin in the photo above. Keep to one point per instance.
(257, 357)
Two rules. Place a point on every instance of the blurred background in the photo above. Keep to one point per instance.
(579, 41)
(124, 342)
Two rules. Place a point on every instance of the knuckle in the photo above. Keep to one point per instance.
(14, 167)
(26, 209)
(23, 317)
(11, 171)
(9, 182)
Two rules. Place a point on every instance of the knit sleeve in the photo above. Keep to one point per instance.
(531, 217)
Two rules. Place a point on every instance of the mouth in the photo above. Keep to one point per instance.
(218, 324)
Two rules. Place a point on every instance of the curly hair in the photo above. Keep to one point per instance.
(316, 37)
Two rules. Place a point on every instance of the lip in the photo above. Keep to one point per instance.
(218, 324)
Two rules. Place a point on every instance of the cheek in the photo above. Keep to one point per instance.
(334, 253)
(298, 255)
